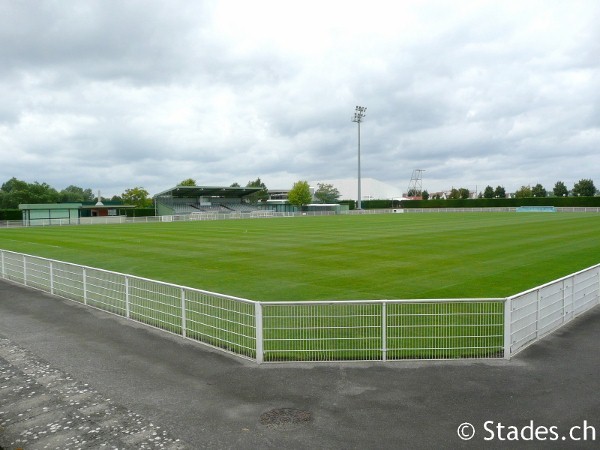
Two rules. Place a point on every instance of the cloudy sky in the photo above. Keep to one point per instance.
(115, 94)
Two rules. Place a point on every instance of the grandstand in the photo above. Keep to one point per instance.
(187, 200)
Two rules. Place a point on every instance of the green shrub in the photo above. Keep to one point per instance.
(11, 214)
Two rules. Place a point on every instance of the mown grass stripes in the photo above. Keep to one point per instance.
(392, 256)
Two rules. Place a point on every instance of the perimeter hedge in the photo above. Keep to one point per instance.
(575, 202)
(11, 214)
(140, 212)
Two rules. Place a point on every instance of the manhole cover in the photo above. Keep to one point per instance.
(285, 416)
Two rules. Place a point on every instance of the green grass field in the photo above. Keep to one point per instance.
(392, 256)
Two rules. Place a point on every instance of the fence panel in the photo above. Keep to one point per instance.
(153, 303)
(445, 329)
(551, 308)
(13, 267)
(106, 290)
(68, 281)
(541, 310)
(221, 321)
(524, 322)
(38, 273)
(322, 332)
(585, 290)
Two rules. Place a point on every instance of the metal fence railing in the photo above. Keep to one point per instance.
(260, 214)
(561, 209)
(377, 330)
(541, 310)
(383, 330)
(217, 320)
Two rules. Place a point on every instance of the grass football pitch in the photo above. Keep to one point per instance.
(391, 256)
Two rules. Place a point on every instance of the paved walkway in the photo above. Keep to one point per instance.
(73, 377)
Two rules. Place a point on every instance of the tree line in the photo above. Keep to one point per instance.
(583, 188)
(15, 192)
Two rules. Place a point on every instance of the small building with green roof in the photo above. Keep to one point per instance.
(45, 214)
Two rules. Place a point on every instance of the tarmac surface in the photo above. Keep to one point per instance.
(75, 377)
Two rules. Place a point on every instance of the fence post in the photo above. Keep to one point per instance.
(597, 293)
(51, 278)
(24, 270)
(507, 327)
(84, 275)
(568, 289)
(3, 271)
(127, 310)
(258, 322)
(538, 299)
(183, 315)
(384, 331)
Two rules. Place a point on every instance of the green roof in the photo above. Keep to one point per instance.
(87, 205)
(208, 191)
(50, 206)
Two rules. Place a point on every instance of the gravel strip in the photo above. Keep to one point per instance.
(42, 407)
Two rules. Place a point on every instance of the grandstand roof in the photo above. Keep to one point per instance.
(208, 191)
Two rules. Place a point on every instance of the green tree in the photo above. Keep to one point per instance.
(456, 194)
(137, 196)
(235, 185)
(75, 194)
(539, 191)
(523, 192)
(560, 190)
(188, 182)
(300, 194)
(584, 188)
(43, 193)
(260, 196)
(14, 185)
(15, 192)
(326, 193)
(500, 192)
(425, 195)
(488, 192)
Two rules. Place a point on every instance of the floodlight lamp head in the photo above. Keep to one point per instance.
(359, 113)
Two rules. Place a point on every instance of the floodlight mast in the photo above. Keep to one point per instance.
(359, 113)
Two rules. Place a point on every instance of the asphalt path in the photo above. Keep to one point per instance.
(75, 377)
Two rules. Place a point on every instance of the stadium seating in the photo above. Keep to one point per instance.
(184, 206)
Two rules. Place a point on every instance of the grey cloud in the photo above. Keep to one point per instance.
(142, 42)
(152, 93)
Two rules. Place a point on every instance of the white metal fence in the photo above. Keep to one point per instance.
(378, 330)
(263, 214)
(383, 330)
(498, 209)
(218, 320)
(541, 310)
